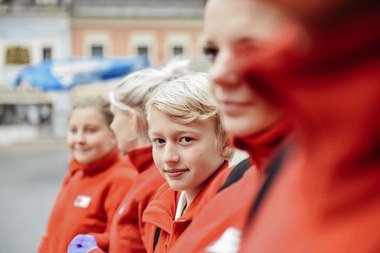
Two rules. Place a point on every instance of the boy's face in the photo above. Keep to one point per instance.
(246, 30)
(185, 154)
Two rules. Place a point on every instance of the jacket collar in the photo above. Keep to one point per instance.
(141, 158)
(126, 163)
(112, 157)
(161, 211)
(260, 146)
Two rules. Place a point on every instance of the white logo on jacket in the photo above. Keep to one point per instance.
(122, 208)
(228, 242)
(82, 201)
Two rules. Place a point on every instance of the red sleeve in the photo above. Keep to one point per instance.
(44, 244)
(118, 188)
(96, 250)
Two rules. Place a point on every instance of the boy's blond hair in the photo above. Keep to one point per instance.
(131, 93)
(186, 99)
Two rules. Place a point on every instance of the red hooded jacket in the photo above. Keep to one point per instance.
(86, 202)
(230, 207)
(162, 210)
(325, 197)
(128, 232)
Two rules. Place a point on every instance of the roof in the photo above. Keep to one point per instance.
(139, 8)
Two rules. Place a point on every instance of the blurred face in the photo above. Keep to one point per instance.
(123, 128)
(185, 154)
(309, 10)
(89, 137)
(246, 28)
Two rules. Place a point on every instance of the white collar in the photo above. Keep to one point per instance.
(181, 204)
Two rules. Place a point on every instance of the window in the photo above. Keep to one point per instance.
(178, 44)
(177, 50)
(46, 53)
(97, 51)
(42, 2)
(142, 51)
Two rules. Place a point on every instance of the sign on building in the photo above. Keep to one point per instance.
(17, 55)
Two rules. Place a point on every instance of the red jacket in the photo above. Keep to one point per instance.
(230, 207)
(161, 213)
(128, 231)
(325, 197)
(86, 202)
(126, 163)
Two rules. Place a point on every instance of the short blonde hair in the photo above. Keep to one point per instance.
(131, 93)
(97, 103)
(186, 99)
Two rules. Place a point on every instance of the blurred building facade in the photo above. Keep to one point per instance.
(160, 29)
(30, 31)
(35, 30)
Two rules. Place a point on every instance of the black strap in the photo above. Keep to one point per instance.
(236, 174)
(272, 172)
(156, 237)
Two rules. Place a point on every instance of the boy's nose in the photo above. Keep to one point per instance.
(170, 155)
(224, 70)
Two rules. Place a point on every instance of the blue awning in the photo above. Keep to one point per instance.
(65, 74)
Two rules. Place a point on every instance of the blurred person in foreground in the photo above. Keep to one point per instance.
(325, 196)
(95, 183)
(128, 232)
(253, 124)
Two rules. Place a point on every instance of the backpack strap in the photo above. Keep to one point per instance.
(273, 170)
(156, 237)
(236, 174)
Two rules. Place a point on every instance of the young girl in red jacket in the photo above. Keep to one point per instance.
(189, 148)
(95, 184)
(128, 233)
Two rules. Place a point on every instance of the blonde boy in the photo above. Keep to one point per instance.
(189, 148)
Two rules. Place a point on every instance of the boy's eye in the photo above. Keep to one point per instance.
(186, 139)
(159, 141)
(211, 52)
(73, 130)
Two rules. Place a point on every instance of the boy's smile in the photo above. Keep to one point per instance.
(185, 154)
(173, 173)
